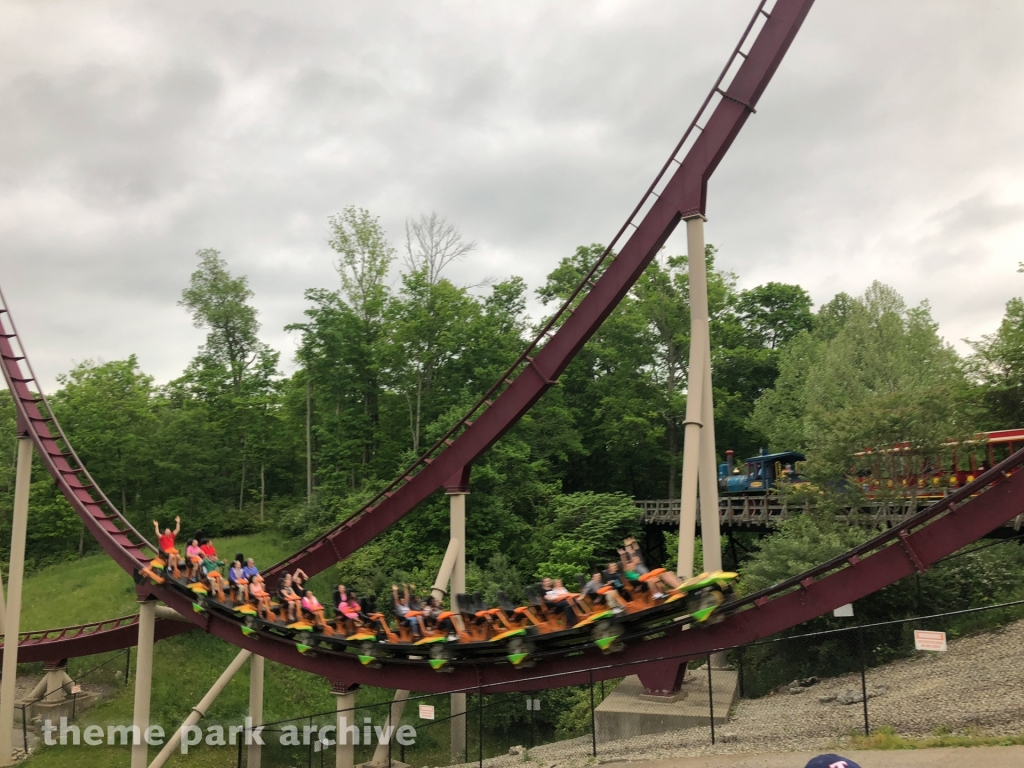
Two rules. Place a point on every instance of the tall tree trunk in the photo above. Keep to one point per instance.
(309, 445)
(263, 491)
(241, 490)
(673, 449)
(419, 413)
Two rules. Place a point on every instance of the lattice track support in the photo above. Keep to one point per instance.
(256, 671)
(199, 710)
(19, 528)
(143, 680)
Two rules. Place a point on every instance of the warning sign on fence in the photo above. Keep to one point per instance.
(929, 641)
(426, 711)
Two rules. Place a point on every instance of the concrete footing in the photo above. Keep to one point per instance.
(629, 712)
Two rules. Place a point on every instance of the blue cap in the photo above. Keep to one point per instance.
(831, 761)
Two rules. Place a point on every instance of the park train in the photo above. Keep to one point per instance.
(477, 633)
(876, 472)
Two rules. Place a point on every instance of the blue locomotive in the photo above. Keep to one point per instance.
(760, 473)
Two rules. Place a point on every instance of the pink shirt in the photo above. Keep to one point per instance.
(310, 603)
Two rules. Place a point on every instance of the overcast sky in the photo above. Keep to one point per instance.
(888, 146)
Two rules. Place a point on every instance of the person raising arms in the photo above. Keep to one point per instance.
(166, 542)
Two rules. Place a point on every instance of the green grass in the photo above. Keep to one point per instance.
(887, 738)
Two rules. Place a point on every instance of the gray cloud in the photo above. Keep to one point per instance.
(887, 147)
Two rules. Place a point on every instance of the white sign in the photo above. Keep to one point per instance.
(844, 611)
(426, 711)
(76, 689)
(929, 641)
(533, 705)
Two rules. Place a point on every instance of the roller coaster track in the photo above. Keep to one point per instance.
(963, 517)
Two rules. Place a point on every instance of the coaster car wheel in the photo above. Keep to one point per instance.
(518, 651)
(606, 636)
(440, 655)
(370, 654)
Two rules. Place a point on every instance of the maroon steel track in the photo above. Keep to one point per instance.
(921, 540)
(87, 639)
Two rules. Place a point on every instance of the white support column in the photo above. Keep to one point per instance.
(457, 506)
(199, 711)
(380, 754)
(256, 669)
(700, 345)
(710, 529)
(344, 756)
(143, 680)
(12, 623)
(3, 604)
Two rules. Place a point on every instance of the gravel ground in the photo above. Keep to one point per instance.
(976, 687)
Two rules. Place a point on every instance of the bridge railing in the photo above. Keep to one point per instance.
(765, 511)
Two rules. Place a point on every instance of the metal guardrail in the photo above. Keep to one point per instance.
(765, 511)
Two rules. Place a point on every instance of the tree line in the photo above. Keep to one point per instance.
(398, 350)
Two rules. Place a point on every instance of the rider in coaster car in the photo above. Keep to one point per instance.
(347, 605)
(236, 577)
(310, 603)
(597, 592)
(250, 570)
(558, 598)
(259, 592)
(193, 557)
(299, 578)
(400, 602)
(208, 569)
(633, 563)
(166, 542)
(208, 550)
(289, 599)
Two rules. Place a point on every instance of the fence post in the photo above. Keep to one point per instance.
(24, 730)
(711, 702)
(391, 721)
(863, 679)
(309, 752)
(742, 652)
(240, 742)
(127, 664)
(593, 717)
(480, 725)
(533, 729)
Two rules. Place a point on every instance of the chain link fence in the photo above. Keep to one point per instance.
(803, 691)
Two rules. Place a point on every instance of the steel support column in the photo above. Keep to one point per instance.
(345, 753)
(143, 680)
(12, 623)
(256, 670)
(457, 504)
(697, 379)
(710, 530)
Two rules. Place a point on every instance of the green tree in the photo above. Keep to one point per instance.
(876, 376)
(997, 366)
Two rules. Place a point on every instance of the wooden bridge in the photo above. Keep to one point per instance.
(764, 512)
